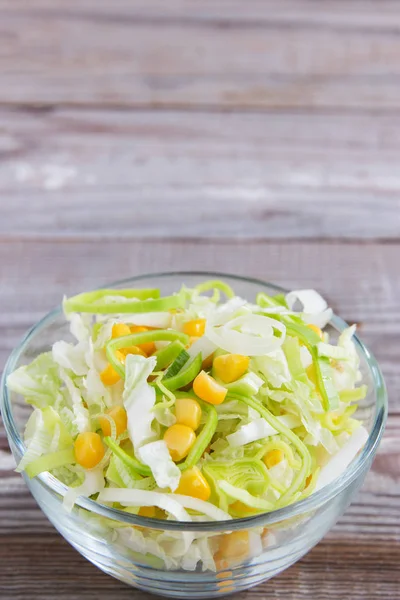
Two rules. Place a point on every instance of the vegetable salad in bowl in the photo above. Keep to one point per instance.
(195, 407)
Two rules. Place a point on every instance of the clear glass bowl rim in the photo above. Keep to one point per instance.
(311, 503)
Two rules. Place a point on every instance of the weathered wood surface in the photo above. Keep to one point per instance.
(259, 139)
(369, 526)
(265, 175)
(120, 54)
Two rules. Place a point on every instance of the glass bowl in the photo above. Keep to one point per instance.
(142, 551)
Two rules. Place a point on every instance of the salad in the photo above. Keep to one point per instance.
(196, 406)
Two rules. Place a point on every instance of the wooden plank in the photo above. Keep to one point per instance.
(360, 281)
(74, 55)
(57, 268)
(43, 270)
(359, 14)
(173, 173)
(32, 563)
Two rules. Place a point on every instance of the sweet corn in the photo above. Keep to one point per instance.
(89, 449)
(206, 388)
(179, 439)
(273, 457)
(221, 563)
(316, 329)
(242, 510)
(311, 374)
(118, 413)
(147, 511)
(195, 327)
(308, 481)
(193, 483)
(138, 328)
(229, 367)
(147, 347)
(133, 350)
(234, 545)
(226, 587)
(188, 412)
(120, 329)
(220, 566)
(110, 376)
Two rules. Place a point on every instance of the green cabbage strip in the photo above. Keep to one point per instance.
(204, 438)
(177, 365)
(119, 473)
(299, 480)
(237, 493)
(185, 375)
(265, 301)
(247, 474)
(167, 393)
(51, 461)
(142, 301)
(353, 395)
(134, 339)
(166, 356)
(322, 365)
(291, 348)
(215, 284)
(130, 461)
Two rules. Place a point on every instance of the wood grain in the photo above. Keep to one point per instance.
(65, 267)
(258, 138)
(80, 55)
(204, 175)
(34, 556)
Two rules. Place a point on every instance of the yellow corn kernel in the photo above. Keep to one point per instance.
(193, 483)
(311, 374)
(242, 510)
(179, 439)
(316, 330)
(273, 457)
(89, 449)
(234, 545)
(147, 511)
(132, 350)
(222, 574)
(110, 376)
(118, 413)
(120, 329)
(195, 327)
(229, 367)
(147, 347)
(221, 563)
(138, 328)
(227, 587)
(188, 412)
(206, 388)
(308, 481)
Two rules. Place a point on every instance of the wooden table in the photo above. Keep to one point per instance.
(260, 138)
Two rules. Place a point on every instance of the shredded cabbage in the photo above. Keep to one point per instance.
(139, 398)
(156, 456)
(287, 426)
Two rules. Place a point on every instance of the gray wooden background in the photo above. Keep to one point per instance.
(259, 138)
